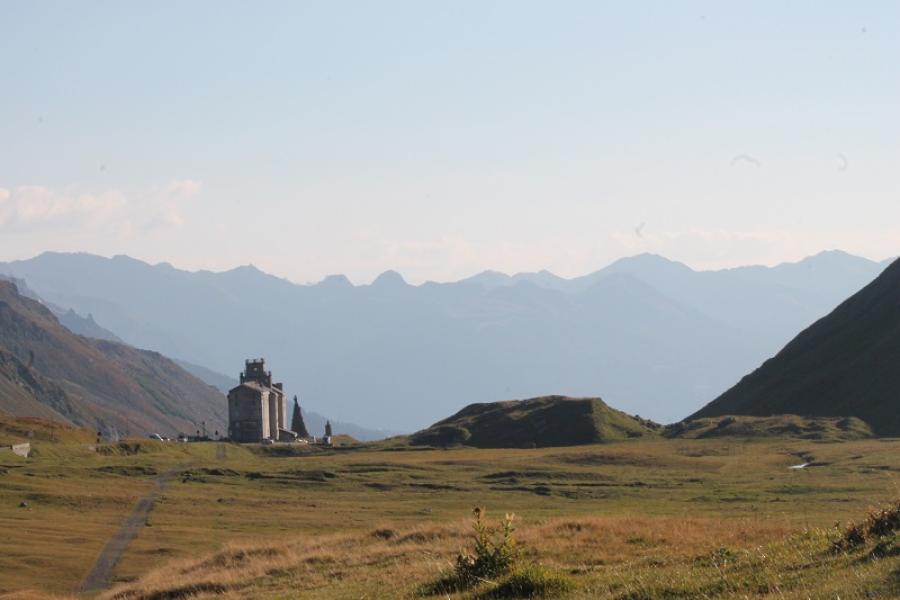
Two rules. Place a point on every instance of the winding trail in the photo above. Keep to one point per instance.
(101, 573)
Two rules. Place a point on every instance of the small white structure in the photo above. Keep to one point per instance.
(22, 450)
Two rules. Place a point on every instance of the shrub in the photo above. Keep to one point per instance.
(494, 561)
(494, 553)
(533, 581)
(881, 527)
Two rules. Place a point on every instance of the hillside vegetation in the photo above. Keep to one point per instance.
(535, 423)
(777, 426)
(845, 364)
(48, 371)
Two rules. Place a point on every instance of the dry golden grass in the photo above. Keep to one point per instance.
(608, 557)
(627, 520)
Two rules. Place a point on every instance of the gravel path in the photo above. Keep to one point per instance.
(102, 571)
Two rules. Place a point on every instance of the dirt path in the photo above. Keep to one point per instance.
(102, 571)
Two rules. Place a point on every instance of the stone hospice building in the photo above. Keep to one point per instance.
(256, 407)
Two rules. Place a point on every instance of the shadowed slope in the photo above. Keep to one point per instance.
(846, 364)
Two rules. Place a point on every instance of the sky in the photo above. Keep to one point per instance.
(443, 138)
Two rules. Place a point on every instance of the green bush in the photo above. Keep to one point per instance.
(493, 563)
(494, 554)
(532, 581)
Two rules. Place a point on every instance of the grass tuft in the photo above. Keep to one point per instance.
(532, 581)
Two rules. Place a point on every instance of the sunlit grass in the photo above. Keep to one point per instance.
(640, 519)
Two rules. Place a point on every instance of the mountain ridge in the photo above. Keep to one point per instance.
(623, 263)
(395, 356)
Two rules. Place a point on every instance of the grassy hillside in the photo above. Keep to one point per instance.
(47, 371)
(846, 364)
(16, 430)
(778, 426)
(534, 423)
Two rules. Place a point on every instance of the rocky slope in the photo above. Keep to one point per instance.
(48, 371)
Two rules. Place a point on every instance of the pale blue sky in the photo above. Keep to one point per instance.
(443, 138)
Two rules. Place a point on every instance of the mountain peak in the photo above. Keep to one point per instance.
(488, 278)
(245, 271)
(336, 281)
(647, 260)
(833, 256)
(389, 278)
(124, 258)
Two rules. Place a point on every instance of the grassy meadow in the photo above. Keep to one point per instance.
(648, 519)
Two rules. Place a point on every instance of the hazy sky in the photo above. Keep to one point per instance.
(441, 138)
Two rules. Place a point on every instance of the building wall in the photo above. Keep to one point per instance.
(248, 414)
(266, 419)
(272, 406)
(282, 424)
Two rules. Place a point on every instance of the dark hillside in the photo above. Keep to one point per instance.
(846, 364)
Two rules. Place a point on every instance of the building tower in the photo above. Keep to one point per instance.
(256, 406)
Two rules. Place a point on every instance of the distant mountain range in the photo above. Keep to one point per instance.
(846, 364)
(48, 371)
(652, 336)
(74, 322)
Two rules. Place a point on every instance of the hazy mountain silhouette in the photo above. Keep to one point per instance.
(845, 364)
(48, 371)
(653, 336)
(769, 300)
(71, 320)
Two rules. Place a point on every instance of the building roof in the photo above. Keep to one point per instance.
(251, 385)
(254, 385)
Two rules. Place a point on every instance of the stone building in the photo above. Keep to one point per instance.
(256, 406)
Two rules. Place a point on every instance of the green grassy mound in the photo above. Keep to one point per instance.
(539, 422)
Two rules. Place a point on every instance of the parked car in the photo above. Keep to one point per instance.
(157, 437)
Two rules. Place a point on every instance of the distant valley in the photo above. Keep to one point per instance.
(651, 336)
